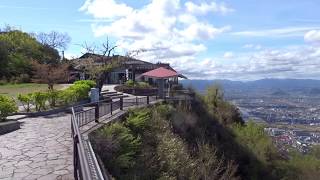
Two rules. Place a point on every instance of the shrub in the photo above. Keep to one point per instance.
(77, 92)
(137, 120)
(81, 91)
(130, 83)
(119, 147)
(40, 99)
(67, 96)
(143, 85)
(23, 78)
(253, 137)
(53, 96)
(7, 107)
(26, 100)
(90, 83)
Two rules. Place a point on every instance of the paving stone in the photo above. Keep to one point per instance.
(6, 173)
(23, 163)
(44, 171)
(40, 149)
(49, 177)
(61, 172)
(20, 175)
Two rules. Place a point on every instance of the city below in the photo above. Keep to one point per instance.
(292, 122)
(288, 108)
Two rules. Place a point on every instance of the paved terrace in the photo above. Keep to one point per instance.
(41, 149)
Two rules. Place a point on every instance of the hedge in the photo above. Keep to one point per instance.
(76, 92)
(7, 107)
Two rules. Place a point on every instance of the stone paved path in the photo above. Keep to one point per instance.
(41, 149)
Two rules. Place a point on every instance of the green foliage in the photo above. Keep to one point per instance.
(125, 147)
(161, 153)
(175, 142)
(7, 107)
(90, 83)
(81, 91)
(129, 83)
(175, 158)
(315, 151)
(299, 167)
(53, 97)
(40, 99)
(210, 166)
(164, 110)
(141, 85)
(225, 112)
(74, 93)
(77, 92)
(137, 120)
(17, 49)
(253, 137)
(68, 96)
(26, 100)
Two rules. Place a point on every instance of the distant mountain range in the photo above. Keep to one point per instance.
(270, 86)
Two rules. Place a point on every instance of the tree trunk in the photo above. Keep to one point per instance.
(50, 86)
(100, 81)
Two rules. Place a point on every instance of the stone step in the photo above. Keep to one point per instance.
(111, 95)
(120, 96)
(107, 93)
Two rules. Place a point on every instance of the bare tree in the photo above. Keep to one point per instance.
(99, 71)
(50, 73)
(54, 39)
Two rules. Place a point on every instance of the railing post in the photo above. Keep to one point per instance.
(111, 107)
(96, 112)
(121, 103)
(148, 100)
(136, 100)
(75, 157)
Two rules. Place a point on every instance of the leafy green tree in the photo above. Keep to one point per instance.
(226, 113)
(18, 49)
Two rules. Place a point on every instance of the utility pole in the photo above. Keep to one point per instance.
(62, 55)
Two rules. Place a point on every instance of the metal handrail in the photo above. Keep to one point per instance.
(81, 161)
(79, 149)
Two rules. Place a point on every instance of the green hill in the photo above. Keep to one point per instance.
(205, 139)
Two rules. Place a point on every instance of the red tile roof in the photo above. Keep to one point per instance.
(160, 72)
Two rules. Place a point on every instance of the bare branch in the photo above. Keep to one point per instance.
(54, 39)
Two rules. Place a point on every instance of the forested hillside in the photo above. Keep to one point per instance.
(20, 50)
(206, 139)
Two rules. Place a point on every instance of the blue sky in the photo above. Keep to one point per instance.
(228, 39)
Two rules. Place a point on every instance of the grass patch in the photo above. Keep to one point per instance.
(12, 90)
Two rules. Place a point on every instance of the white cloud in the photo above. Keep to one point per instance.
(278, 32)
(205, 8)
(174, 32)
(165, 28)
(228, 55)
(70, 55)
(293, 62)
(106, 8)
(312, 36)
(202, 31)
(253, 46)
